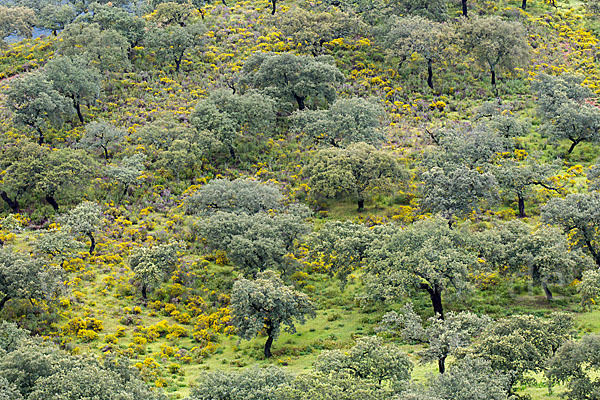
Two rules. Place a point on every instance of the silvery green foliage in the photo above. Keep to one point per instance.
(25, 278)
(457, 176)
(434, 10)
(128, 170)
(296, 81)
(369, 360)
(11, 336)
(35, 103)
(500, 118)
(237, 196)
(341, 244)
(469, 379)
(579, 215)
(562, 101)
(312, 29)
(444, 337)
(267, 304)
(249, 384)
(85, 218)
(457, 191)
(339, 386)
(519, 177)
(555, 91)
(100, 135)
(151, 265)
(593, 177)
(104, 49)
(132, 27)
(495, 43)
(74, 79)
(40, 370)
(255, 242)
(427, 255)
(576, 364)
(589, 288)
(542, 253)
(523, 343)
(347, 121)
(57, 243)
(414, 34)
(356, 172)
(9, 391)
(172, 42)
(252, 112)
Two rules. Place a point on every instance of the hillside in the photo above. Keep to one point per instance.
(286, 200)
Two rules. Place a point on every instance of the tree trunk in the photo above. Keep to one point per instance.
(442, 364)
(436, 300)
(40, 136)
(361, 204)
(231, 152)
(78, 108)
(573, 144)
(13, 204)
(547, 291)
(93, 242)
(144, 292)
(3, 301)
(106, 155)
(524, 4)
(521, 206)
(178, 63)
(269, 342)
(300, 101)
(224, 3)
(274, 2)
(464, 9)
(429, 74)
(493, 77)
(52, 202)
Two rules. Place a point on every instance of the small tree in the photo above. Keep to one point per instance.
(151, 265)
(576, 364)
(578, 215)
(457, 191)
(35, 103)
(254, 242)
(84, 219)
(58, 244)
(434, 10)
(443, 337)
(72, 78)
(368, 360)
(523, 343)
(469, 379)
(25, 278)
(267, 304)
(16, 21)
(589, 288)
(127, 172)
(171, 43)
(300, 80)
(518, 175)
(237, 196)
(55, 17)
(107, 50)
(496, 43)
(347, 121)
(100, 135)
(311, 30)
(354, 172)
(427, 255)
(415, 34)
(341, 245)
(249, 384)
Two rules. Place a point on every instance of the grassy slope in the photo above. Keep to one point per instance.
(130, 102)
